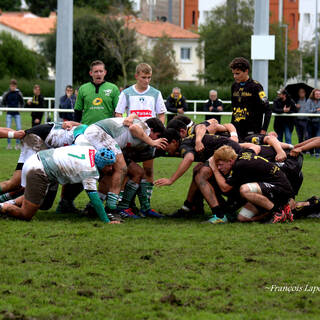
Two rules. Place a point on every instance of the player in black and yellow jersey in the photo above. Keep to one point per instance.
(250, 107)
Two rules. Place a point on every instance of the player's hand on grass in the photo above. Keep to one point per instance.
(160, 143)
(114, 222)
(281, 156)
(163, 182)
(295, 152)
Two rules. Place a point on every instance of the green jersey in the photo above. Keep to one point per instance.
(97, 102)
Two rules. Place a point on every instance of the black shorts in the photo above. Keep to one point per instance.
(278, 194)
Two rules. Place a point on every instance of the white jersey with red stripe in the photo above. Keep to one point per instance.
(147, 104)
(71, 164)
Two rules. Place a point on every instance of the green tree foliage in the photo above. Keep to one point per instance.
(88, 39)
(162, 61)
(18, 61)
(105, 6)
(276, 66)
(228, 35)
(44, 7)
(10, 5)
(308, 60)
(121, 42)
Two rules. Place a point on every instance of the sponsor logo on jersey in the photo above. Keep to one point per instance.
(97, 101)
(91, 157)
(240, 114)
(107, 92)
(142, 113)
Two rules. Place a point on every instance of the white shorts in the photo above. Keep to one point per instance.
(30, 144)
(33, 163)
(98, 138)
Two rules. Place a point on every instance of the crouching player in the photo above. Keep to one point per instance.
(261, 183)
(72, 164)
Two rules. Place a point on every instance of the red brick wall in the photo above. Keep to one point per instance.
(290, 17)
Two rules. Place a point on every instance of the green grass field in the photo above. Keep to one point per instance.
(63, 266)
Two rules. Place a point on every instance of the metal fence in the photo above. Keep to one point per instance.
(55, 111)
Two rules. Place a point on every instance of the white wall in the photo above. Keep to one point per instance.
(188, 68)
(30, 41)
(307, 8)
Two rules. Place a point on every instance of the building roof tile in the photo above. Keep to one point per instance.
(28, 24)
(157, 29)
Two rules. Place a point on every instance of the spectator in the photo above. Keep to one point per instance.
(213, 105)
(314, 124)
(302, 122)
(96, 99)
(67, 102)
(13, 99)
(176, 103)
(37, 101)
(284, 125)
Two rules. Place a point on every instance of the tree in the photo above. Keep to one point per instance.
(276, 66)
(87, 46)
(19, 61)
(44, 7)
(228, 35)
(162, 61)
(121, 42)
(10, 5)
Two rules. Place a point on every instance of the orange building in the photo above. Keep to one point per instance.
(183, 13)
(290, 16)
(191, 14)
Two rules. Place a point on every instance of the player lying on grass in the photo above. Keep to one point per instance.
(44, 136)
(71, 164)
(116, 134)
(305, 146)
(263, 186)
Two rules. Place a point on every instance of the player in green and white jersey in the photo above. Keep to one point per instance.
(71, 164)
(116, 134)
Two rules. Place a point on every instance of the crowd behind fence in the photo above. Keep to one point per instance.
(55, 111)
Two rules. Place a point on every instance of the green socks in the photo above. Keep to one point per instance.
(129, 192)
(144, 194)
(112, 200)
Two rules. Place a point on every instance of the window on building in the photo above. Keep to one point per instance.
(193, 17)
(292, 19)
(185, 53)
(306, 18)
